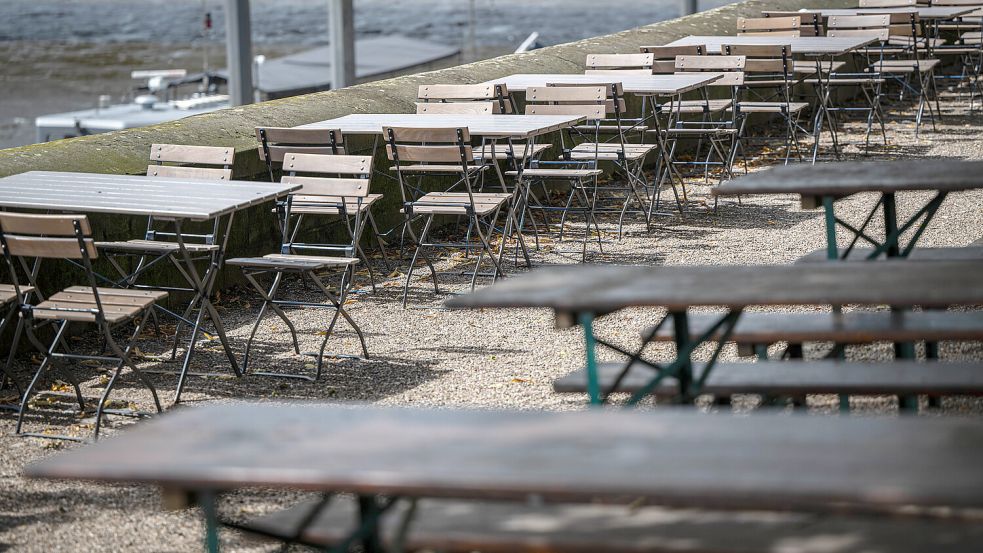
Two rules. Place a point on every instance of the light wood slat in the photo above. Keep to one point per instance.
(660, 85)
(619, 61)
(133, 195)
(924, 12)
(277, 152)
(807, 45)
(707, 461)
(432, 135)
(589, 112)
(58, 248)
(334, 164)
(321, 186)
(457, 108)
(203, 155)
(457, 91)
(498, 126)
(768, 24)
(49, 225)
(567, 94)
(295, 136)
(430, 154)
(189, 172)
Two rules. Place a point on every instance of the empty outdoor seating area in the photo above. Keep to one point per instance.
(720, 293)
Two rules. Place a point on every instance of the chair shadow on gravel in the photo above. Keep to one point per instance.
(69, 503)
(345, 379)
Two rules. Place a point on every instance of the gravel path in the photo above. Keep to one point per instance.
(427, 356)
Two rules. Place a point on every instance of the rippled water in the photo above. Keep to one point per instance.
(305, 21)
(62, 55)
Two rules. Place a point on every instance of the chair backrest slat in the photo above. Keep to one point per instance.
(730, 67)
(323, 186)
(498, 93)
(887, 3)
(665, 56)
(276, 142)
(616, 72)
(429, 145)
(591, 112)
(620, 61)
(201, 173)
(330, 164)
(46, 225)
(560, 93)
(768, 24)
(457, 108)
(201, 155)
(47, 236)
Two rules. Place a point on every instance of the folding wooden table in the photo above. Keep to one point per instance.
(580, 294)
(824, 184)
(824, 49)
(527, 128)
(176, 199)
(821, 465)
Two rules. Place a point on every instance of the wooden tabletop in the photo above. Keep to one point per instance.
(495, 126)
(926, 12)
(806, 45)
(660, 85)
(608, 288)
(179, 198)
(846, 178)
(681, 458)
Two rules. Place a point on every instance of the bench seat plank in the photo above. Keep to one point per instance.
(969, 253)
(466, 526)
(859, 327)
(796, 378)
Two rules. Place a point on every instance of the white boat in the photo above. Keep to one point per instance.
(159, 99)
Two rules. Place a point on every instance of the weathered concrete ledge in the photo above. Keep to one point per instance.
(126, 152)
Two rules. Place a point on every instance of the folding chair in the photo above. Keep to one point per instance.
(463, 99)
(715, 131)
(340, 194)
(585, 144)
(159, 245)
(581, 175)
(967, 48)
(444, 153)
(790, 24)
(70, 237)
(897, 57)
(770, 67)
(276, 142)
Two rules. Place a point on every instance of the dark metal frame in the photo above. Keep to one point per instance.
(121, 354)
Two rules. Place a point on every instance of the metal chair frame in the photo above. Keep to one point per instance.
(55, 236)
(275, 143)
(336, 184)
(431, 152)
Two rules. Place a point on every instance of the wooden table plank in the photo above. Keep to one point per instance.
(134, 195)
(846, 178)
(492, 126)
(607, 288)
(807, 45)
(667, 457)
(661, 85)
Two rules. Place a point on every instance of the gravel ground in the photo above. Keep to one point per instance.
(432, 357)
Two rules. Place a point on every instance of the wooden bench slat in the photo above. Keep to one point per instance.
(795, 378)
(853, 327)
(968, 253)
(466, 526)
